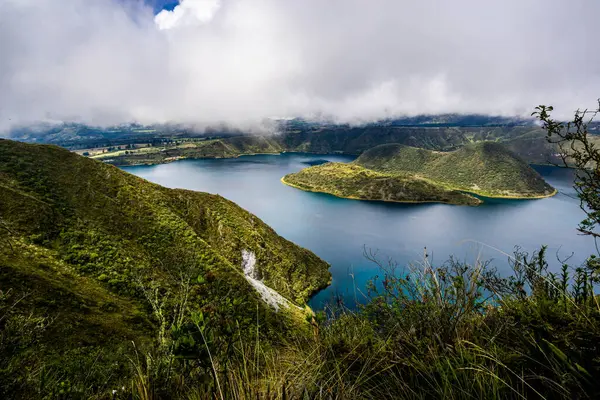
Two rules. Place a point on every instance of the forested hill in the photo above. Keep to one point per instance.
(486, 168)
(100, 258)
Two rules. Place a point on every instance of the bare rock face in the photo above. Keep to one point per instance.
(249, 264)
(268, 295)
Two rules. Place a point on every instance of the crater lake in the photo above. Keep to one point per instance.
(338, 230)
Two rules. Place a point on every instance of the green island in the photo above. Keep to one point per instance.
(398, 173)
(352, 181)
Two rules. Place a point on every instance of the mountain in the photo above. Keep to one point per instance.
(166, 142)
(528, 142)
(93, 259)
(72, 132)
(130, 144)
(398, 173)
(462, 120)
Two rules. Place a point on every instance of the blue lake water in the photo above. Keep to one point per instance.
(338, 229)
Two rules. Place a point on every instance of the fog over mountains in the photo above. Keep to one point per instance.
(239, 62)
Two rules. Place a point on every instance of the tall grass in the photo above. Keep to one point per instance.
(455, 331)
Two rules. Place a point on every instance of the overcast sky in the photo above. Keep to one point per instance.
(240, 61)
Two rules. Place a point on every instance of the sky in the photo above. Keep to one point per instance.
(239, 62)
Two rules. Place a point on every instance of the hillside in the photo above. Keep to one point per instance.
(528, 142)
(136, 144)
(398, 173)
(188, 148)
(487, 169)
(93, 258)
(355, 182)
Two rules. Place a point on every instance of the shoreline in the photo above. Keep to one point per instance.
(377, 200)
(545, 196)
(481, 195)
(181, 158)
(426, 201)
(337, 153)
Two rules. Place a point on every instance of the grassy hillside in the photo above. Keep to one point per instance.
(528, 142)
(398, 173)
(355, 182)
(93, 258)
(487, 168)
(193, 148)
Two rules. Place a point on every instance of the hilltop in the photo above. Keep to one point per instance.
(94, 259)
(398, 173)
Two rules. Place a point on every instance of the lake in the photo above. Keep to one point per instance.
(337, 229)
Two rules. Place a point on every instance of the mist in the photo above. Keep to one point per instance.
(239, 62)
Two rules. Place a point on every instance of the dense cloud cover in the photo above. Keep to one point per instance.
(240, 61)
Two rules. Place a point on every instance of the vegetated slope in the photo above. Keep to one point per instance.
(528, 142)
(72, 192)
(355, 140)
(486, 168)
(212, 148)
(355, 182)
(103, 257)
(534, 148)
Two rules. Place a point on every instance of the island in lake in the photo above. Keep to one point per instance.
(398, 173)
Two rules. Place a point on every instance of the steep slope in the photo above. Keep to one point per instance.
(77, 200)
(99, 258)
(487, 168)
(355, 140)
(355, 182)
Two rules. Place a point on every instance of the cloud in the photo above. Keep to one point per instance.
(188, 12)
(239, 61)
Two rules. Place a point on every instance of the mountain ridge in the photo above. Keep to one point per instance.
(99, 263)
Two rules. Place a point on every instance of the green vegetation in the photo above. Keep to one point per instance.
(355, 182)
(461, 331)
(192, 148)
(97, 264)
(578, 149)
(399, 173)
(113, 287)
(526, 141)
(486, 169)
